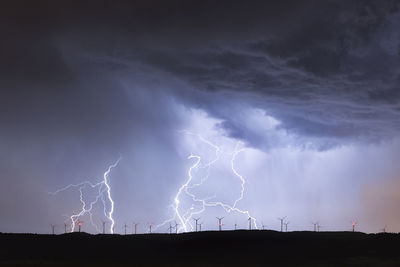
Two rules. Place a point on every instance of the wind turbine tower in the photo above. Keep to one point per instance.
(286, 224)
(80, 225)
(125, 226)
(220, 223)
(176, 227)
(150, 226)
(196, 220)
(263, 226)
(249, 219)
(135, 227)
(353, 225)
(65, 228)
(281, 219)
(53, 227)
(315, 226)
(104, 227)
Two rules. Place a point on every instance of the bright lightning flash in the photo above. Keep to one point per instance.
(103, 191)
(185, 216)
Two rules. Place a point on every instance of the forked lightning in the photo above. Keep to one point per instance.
(103, 191)
(185, 216)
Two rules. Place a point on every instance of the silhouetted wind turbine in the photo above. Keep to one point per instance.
(286, 224)
(150, 226)
(176, 227)
(318, 226)
(249, 219)
(170, 228)
(281, 219)
(65, 228)
(79, 225)
(315, 226)
(53, 227)
(125, 226)
(135, 227)
(200, 226)
(353, 225)
(220, 223)
(104, 227)
(263, 226)
(196, 220)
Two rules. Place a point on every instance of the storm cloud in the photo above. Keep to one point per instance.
(327, 70)
(82, 83)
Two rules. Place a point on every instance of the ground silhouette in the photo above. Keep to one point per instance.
(210, 248)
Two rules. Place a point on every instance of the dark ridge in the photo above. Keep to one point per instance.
(226, 248)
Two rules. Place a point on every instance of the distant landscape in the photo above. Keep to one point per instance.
(200, 133)
(222, 248)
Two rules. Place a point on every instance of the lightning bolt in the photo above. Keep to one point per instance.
(185, 217)
(182, 188)
(103, 191)
(243, 181)
(110, 213)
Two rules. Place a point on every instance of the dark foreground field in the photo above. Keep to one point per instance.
(227, 248)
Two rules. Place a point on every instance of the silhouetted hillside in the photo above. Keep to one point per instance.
(226, 248)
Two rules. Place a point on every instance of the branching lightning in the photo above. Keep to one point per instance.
(103, 194)
(185, 216)
(110, 213)
(184, 188)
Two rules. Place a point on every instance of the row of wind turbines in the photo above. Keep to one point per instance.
(173, 228)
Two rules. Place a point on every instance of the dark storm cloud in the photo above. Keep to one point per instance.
(324, 69)
(330, 76)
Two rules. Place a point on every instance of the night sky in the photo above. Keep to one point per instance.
(303, 95)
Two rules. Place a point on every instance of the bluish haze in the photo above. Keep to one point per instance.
(302, 97)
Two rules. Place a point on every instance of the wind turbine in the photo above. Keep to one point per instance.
(318, 227)
(170, 228)
(220, 223)
(125, 226)
(65, 227)
(104, 227)
(249, 219)
(53, 227)
(353, 225)
(150, 226)
(80, 223)
(281, 219)
(286, 224)
(263, 226)
(315, 226)
(176, 227)
(196, 220)
(134, 227)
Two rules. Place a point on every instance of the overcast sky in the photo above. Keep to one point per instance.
(299, 99)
